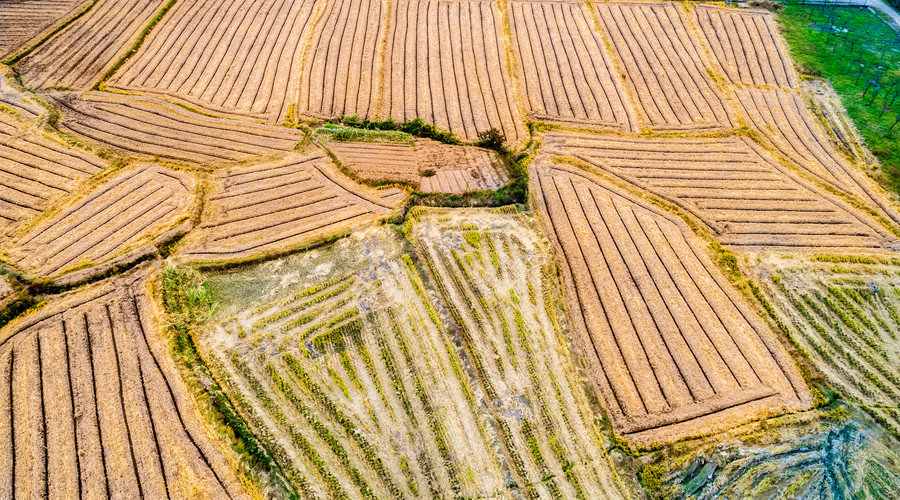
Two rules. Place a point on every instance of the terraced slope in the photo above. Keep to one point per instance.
(364, 389)
(664, 67)
(35, 171)
(76, 57)
(446, 63)
(273, 207)
(128, 213)
(233, 57)
(565, 71)
(91, 405)
(747, 45)
(673, 348)
(23, 20)
(152, 128)
(340, 73)
(746, 198)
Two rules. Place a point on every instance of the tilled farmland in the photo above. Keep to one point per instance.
(235, 57)
(23, 20)
(91, 406)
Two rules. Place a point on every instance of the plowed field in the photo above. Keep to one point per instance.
(236, 57)
(92, 407)
(23, 20)
(672, 346)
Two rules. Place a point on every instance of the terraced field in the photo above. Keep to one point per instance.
(76, 57)
(272, 207)
(565, 71)
(673, 348)
(745, 197)
(664, 67)
(340, 73)
(478, 403)
(429, 165)
(845, 315)
(232, 57)
(747, 46)
(35, 171)
(23, 20)
(152, 128)
(91, 405)
(446, 62)
(131, 212)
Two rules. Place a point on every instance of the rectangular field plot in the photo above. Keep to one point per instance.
(446, 62)
(565, 70)
(232, 56)
(77, 56)
(745, 197)
(35, 171)
(23, 20)
(369, 387)
(91, 405)
(125, 213)
(664, 67)
(340, 73)
(152, 128)
(674, 348)
(277, 206)
(747, 45)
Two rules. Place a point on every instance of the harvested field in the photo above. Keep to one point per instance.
(233, 57)
(76, 57)
(747, 45)
(152, 128)
(17, 101)
(446, 62)
(23, 20)
(272, 207)
(430, 165)
(745, 197)
(664, 67)
(673, 347)
(347, 361)
(35, 171)
(844, 312)
(340, 74)
(566, 73)
(91, 405)
(123, 215)
(784, 120)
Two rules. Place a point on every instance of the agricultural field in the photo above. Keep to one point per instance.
(78, 56)
(15, 103)
(91, 405)
(669, 341)
(23, 20)
(271, 207)
(456, 343)
(232, 57)
(429, 166)
(739, 192)
(565, 71)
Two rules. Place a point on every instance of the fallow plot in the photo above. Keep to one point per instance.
(747, 45)
(23, 20)
(565, 70)
(664, 67)
(340, 74)
(232, 56)
(784, 120)
(77, 56)
(431, 166)
(674, 349)
(35, 171)
(126, 215)
(92, 406)
(153, 128)
(745, 197)
(446, 63)
(269, 208)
